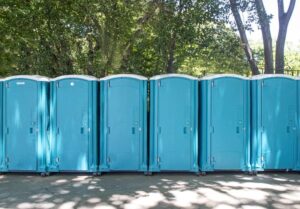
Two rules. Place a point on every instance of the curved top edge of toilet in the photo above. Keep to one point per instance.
(30, 77)
(211, 77)
(83, 77)
(264, 76)
(139, 77)
(158, 77)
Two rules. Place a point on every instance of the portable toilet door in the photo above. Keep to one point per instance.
(225, 124)
(73, 114)
(173, 123)
(274, 116)
(25, 111)
(123, 124)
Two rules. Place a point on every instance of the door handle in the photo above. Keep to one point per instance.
(133, 130)
(30, 130)
(82, 130)
(184, 130)
(288, 129)
(237, 130)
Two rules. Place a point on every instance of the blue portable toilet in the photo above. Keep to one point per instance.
(225, 123)
(123, 123)
(73, 116)
(25, 121)
(173, 123)
(274, 117)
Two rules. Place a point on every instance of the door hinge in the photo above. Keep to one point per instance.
(159, 130)
(6, 160)
(212, 160)
(7, 85)
(212, 129)
(212, 84)
(262, 83)
(57, 84)
(262, 161)
(159, 83)
(57, 160)
(158, 160)
(108, 160)
(108, 84)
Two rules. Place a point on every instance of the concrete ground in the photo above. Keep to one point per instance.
(157, 191)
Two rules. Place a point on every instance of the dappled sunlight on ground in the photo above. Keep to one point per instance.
(130, 191)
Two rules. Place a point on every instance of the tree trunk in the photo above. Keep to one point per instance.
(244, 39)
(267, 37)
(170, 66)
(90, 56)
(284, 18)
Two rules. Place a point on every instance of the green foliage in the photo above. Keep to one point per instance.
(100, 37)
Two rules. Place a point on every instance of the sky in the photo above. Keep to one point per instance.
(293, 34)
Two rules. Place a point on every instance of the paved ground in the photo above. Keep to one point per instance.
(158, 191)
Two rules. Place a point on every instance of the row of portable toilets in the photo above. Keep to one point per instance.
(78, 124)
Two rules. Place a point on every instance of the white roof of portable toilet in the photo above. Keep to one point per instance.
(83, 77)
(210, 77)
(139, 77)
(263, 76)
(31, 77)
(158, 77)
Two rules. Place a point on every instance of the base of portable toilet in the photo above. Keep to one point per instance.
(181, 90)
(123, 124)
(217, 93)
(31, 154)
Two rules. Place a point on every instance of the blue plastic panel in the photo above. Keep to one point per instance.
(123, 142)
(173, 130)
(225, 124)
(74, 125)
(298, 127)
(25, 109)
(1, 127)
(274, 125)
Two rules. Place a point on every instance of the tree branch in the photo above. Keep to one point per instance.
(290, 10)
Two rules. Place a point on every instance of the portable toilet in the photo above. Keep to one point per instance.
(73, 116)
(274, 117)
(225, 123)
(173, 123)
(123, 123)
(25, 121)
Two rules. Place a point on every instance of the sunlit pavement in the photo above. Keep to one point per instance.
(157, 191)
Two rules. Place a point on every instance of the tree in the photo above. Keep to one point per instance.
(243, 35)
(284, 19)
(260, 15)
(101, 37)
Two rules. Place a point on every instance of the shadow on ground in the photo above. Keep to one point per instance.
(158, 191)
